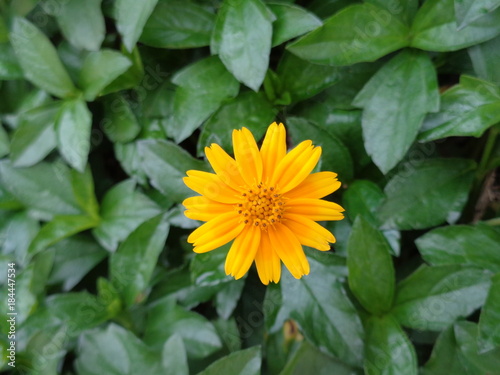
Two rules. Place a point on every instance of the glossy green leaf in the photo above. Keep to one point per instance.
(483, 58)
(174, 356)
(120, 123)
(202, 88)
(208, 268)
(242, 39)
(243, 362)
(82, 23)
(371, 272)
(432, 298)
(134, 77)
(363, 198)
(131, 267)
(477, 246)
(489, 320)
(71, 266)
(302, 79)
(44, 187)
(249, 109)
(335, 156)
(83, 190)
(35, 137)
(467, 11)
(4, 142)
(178, 24)
(117, 351)
(467, 109)
(291, 21)
(392, 115)
(320, 297)
(435, 28)
(166, 165)
(73, 126)
(427, 193)
(100, 69)
(360, 32)
(308, 359)
(388, 349)
(9, 66)
(131, 16)
(166, 318)
(39, 59)
(123, 209)
(404, 9)
(59, 228)
(17, 234)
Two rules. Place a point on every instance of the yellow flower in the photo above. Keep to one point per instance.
(266, 200)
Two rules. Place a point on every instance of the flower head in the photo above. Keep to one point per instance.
(266, 200)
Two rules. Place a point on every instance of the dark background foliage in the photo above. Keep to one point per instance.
(104, 106)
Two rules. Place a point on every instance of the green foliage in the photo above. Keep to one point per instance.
(106, 104)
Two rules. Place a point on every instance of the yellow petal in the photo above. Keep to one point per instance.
(224, 166)
(273, 149)
(316, 185)
(204, 209)
(296, 166)
(215, 228)
(247, 156)
(308, 232)
(314, 209)
(242, 252)
(211, 186)
(267, 261)
(289, 249)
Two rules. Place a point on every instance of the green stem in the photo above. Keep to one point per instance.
(488, 148)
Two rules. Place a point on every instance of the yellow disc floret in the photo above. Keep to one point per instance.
(261, 206)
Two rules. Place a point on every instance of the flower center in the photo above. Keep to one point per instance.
(261, 206)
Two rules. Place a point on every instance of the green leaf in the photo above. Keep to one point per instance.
(467, 109)
(4, 142)
(228, 297)
(166, 164)
(446, 357)
(131, 267)
(17, 234)
(335, 157)
(73, 126)
(249, 109)
(320, 297)
(44, 187)
(467, 11)
(174, 356)
(363, 198)
(178, 24)
(435, 28)
(133, 78)
(81, 311)
(242, 39)
(309, 360)
(128, 156)
(9, 66)
(82, 23)
(427, 193)
(39, 59)
(243, 362)
(117, 351)
(291, 21)
(405, 9)
(432, 298)
(476, 362)
(360, 32)
(59, 228)
(71, 266)
(123, 209)
(477, 245)
(34, 137)
(302, 79)
(99, 70)
(392, 115)
(83, 190)
(489, 320)
(483, 58)
(208, 268)
(388, 349)
(165, 318)
(131, 16)
(202, 88)
(371, 272)
(120, 123)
